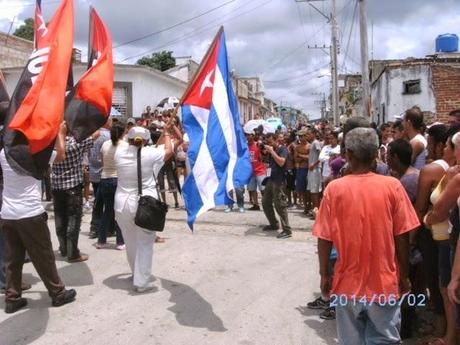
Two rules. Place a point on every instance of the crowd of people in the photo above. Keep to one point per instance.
(384, 200)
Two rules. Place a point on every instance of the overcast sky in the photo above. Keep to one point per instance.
(265, 38)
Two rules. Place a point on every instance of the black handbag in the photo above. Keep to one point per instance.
(151, 212)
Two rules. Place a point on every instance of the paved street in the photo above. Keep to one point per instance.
(227, 283)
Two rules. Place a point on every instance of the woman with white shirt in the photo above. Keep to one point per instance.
(329, 152)
(139, 242)
(108, 186)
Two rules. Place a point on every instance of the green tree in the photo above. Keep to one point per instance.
(26, 30)
(162, 60)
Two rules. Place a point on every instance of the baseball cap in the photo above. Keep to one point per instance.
(139, 132)
(131, 121)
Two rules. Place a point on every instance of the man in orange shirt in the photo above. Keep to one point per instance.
(367, 217)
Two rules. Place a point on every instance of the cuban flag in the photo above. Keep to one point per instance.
(218, 153)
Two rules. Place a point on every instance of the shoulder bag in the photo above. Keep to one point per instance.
(151, 212)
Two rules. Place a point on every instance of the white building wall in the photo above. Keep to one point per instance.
(148, 87)
(389, 90)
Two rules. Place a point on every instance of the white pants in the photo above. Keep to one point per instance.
(139, 248)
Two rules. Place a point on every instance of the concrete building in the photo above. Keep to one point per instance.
(430, 83)
(14, 51)
(135, 87)
(184, 71)
(350, 103)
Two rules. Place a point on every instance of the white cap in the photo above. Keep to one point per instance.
(131, 121)
(139, 132)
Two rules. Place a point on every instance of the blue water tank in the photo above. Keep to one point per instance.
(447, 43)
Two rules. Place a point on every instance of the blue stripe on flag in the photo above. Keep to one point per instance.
(243, 168)
(192, 199)
(194, 130)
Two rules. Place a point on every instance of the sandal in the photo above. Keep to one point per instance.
(159, 239)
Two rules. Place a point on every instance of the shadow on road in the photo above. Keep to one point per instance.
(257, 231)
(25, 327)
(77, 274)
(325, 329)
(190, 308)
(124, 281)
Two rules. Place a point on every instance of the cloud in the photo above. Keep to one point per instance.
(266, 38)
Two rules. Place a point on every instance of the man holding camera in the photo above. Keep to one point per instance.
(275, 183)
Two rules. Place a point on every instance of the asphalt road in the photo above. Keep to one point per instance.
(227, 283)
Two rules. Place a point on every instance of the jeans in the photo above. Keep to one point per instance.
(274, 195)
(68, 212)
(2, 260)
(239, 197)
(107, 189)
(97, 208)
(368, 324)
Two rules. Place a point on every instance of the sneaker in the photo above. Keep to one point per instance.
(328, 314)
(254, 208)
(284, 234)
(81, 258)
(67, 297)
(318, 303)
(121, 247)
(13, 306)
(102, 245)
(227, 209)
(143, 289)
(271, 227)
(242, 210)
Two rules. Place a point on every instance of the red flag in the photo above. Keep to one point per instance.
(91, 100)
(37, 106)
(41, 30)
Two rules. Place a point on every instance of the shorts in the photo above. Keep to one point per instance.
(301, 180)
(444, 263)
(168, 172)
(314, 181)
(256, 181)
(290, 179)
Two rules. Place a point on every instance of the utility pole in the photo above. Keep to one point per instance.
(334, 50)
(364, 57)
(334, 74)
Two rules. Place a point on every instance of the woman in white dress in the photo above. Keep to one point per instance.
(139, 242)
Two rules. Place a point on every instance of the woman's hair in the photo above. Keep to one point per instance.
(438, 133)
(116, 133)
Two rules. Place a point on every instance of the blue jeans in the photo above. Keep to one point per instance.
(239, 197)
(107, 189)
(2, 261)
(371, 325)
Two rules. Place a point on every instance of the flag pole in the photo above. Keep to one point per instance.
(90, 36)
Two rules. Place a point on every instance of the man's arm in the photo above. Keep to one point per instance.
(324, 253)
(402, 255)
(279, 160)
(59, 146)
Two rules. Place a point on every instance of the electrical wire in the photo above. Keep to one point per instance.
(201, 29)
(174, 25)
(298, 77)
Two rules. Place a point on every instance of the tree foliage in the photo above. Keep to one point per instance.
(26, 30)
(162, 60)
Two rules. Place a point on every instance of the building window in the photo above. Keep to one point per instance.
(411, 87)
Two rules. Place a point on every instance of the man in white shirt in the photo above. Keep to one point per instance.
(24, 225)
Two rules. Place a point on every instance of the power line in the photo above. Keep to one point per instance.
(349, 36)
(298, 77)
(202, 29)
(28, 4)
(175, 25)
